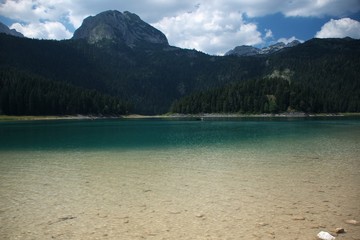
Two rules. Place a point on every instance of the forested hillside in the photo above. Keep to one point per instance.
(320, 75)
(26, 94)
(271, 95)
(150, 76)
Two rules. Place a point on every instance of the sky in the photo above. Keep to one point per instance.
(210, 26)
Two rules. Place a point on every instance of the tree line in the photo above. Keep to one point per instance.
(26, 94)
(272, 95)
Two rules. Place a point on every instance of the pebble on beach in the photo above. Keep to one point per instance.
(352, 222)
(340, 230)
(262, 224)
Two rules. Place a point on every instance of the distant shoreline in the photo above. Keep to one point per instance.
(263, 115)
(175, 116)
(54, 117)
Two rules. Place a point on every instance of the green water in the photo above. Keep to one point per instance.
(159, 134)
(247, 178)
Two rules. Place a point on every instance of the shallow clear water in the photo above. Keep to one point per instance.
(176, 179)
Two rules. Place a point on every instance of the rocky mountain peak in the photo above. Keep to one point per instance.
(252, 51)
(244, 50)
(125, 27)
(6, 30)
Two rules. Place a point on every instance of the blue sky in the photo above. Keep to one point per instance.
(211, 26)
(303, 28)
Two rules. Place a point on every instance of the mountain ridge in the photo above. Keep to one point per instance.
(5, 29)
(246, 50)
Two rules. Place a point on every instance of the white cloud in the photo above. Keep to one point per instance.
(303, 8)
(155, 10)
(71, 13)
(44, 19)
(344, 27)
(33, 10)
(209, 31)
(268, 34)
(212, 26)
(46, 30)
(319, 8)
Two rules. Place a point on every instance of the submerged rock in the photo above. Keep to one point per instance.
(340, 230)
(352, 222)
(325, 236)
(262, 224)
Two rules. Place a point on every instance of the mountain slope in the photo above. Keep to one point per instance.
(6, 30)
(318, 76)
(150, 76)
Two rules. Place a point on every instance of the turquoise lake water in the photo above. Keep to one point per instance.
(283, 178)
(140, 134)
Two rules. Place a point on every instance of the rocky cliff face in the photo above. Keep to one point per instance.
(6, 30)
(114, 25)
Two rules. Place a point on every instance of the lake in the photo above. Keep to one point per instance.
(246, 178)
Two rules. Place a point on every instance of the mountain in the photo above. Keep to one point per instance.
(116, 26)
(318, 76)
(130, 71)
(6, 30)
(244, 51)
(252, 51)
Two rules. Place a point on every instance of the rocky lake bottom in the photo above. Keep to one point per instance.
(153, 179)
